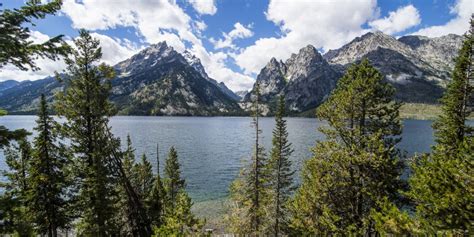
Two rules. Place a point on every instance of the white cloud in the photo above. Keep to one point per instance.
(200, 25)
(397, 21)
(215, 66)
(239, 32)
(323, 24)
(458, 25)
(156, 21)
(204, 6)
(113, 51)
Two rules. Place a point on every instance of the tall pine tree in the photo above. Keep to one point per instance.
(280, 173)
(14, 209)
(178, 220)
(47, 192)
(442, 182)
(173, 181)
(145, 178)
(85, 106)
(155, 202)
(358, 165)
(248, 192)
(17, 48)
(125, 209)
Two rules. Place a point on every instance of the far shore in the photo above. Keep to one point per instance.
(415, 111)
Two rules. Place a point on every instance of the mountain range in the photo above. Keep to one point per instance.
(160, 81)
(418, 67)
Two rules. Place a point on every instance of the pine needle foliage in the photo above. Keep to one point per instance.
(85, 106)
(358, 165)
(441, 184)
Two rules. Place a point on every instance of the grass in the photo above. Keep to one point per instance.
(420, 111)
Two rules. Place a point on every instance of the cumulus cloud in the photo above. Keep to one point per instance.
(397, 21)
(113, 50)
(156, 21)
(458, 25)
(215, 66)
(319, 23)
(239, 32)
(204, 6)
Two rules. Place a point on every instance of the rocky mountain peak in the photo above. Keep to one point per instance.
(147, 58)
(273, 65)
(364, 44)
(302, 64)
(195, 62)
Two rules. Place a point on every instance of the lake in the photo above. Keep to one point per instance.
(212, 149)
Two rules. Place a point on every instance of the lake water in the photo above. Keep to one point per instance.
(212, 149)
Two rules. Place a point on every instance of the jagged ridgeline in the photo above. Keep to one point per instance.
(156, 81)
(418, 67)
(160, 81)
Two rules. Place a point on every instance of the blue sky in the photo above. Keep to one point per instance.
(235, 38)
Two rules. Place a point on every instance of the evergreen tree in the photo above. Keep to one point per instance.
(85, 106)
(248, 192)
(178, 220)
(155, 203)
(16, 46)
(17, 49)
(13, 211)
(129, 160)
(128, 164)
(279, 166)
(145, 179)
(441, 183)
(173, 181)
(358, 165)
(47, 180)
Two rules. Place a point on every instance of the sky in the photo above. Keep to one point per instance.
(235, 39)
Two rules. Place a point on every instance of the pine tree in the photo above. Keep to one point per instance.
(178, 220)
(248, 192)
(144, 174)
(441, 183)
(173, 181)
(85, 106)
(47, 180)
(14, 211)
(155, 203)
(279, 166)
(358, 165)
(16, 47)
(129, 159)
(181, 221)
(128, 164)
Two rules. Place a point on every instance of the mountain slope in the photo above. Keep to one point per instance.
(196, 64)
(4, 85)
(156, 81)
(305, 79)
(24, 97)
(418, 67)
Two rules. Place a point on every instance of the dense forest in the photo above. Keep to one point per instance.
(76, 177)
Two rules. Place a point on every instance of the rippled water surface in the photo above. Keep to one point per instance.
(212, 149)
